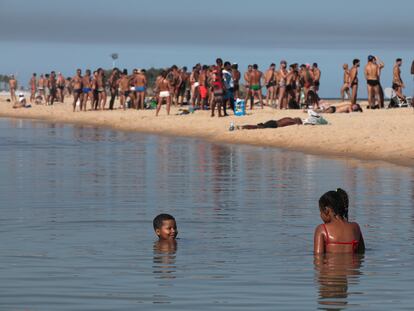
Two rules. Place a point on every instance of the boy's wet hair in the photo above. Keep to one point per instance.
(336, 200)
(157, 222)
(255, 66)
(355, 61)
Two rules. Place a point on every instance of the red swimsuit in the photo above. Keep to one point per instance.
(354, 243)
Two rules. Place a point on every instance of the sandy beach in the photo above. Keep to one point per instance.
(386, 135)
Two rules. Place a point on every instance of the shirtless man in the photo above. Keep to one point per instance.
(94, 86)
(202, 86)
(195, 98)
(345, 86)
(381, 65)
(140, 84)
(113, 87)
(307, 76)
(291, 85)
(282, 74)
(316, 77)
(353, 79)
(371, 75)
(13, 88)
(77, 89)
(33, 88)
(396, 76)
(60, 84)
(100, 89)
(53, 87)
(47, 89)
(87, 93)
(183, 87)
(342, 108)
(124, 88)
(270, 82)
(236, 80)
(175, 81)
(163, 87)
(246, 78)
(41, 87)
(255, 78)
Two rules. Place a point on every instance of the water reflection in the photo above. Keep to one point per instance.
(335, 273)
(164, 259)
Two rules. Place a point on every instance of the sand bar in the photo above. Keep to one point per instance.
(386, 135)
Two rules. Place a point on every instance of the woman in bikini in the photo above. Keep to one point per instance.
(337, 234)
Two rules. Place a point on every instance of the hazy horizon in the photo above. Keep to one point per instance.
(50, 35)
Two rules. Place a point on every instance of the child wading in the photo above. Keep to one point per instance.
(337, 234)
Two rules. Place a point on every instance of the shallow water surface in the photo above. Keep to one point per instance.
(76, 225)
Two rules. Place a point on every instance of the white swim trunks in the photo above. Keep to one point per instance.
(164, 94)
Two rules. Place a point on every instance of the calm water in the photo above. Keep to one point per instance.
(76, 231)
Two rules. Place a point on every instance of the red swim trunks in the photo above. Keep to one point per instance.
(203, 91)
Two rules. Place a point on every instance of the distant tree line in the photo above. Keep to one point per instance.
(4, 82)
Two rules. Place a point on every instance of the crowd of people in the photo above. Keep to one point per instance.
(214, 87)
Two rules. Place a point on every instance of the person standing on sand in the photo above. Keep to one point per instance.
(229, 88)
(100, 89)
(60, 84)
(33, 88)
(372, 76)
(247, 83)
(140, 83)
(113, 87)
(86, 90)
(41, 83)
(202, 87)
(236, 80)
(396, 77)
(353, 78)
(194, 84)
(163, 87)
(270, 82)
(124, 88)
(77, 89)
(53, 87)
(316, 77)
(381, 65)
(13, 88)
(345, 86)
(255, 78)
(282, 74)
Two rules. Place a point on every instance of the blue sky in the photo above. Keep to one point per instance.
(43, 35)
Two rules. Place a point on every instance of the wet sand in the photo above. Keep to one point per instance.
(386, 135)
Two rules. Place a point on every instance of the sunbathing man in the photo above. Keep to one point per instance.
(372, 76)
(33, 88)
(345, 86)
(13, 88)
(77, 88)
(396, 77)
(353, 78)
(270, 82)
(316, 77)
(255, 77)
(124, 88)
(236, 80)
(86, 90)
(342, 108)
(163, 87)
(272, 124)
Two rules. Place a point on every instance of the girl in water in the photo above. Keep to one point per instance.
(336, 234)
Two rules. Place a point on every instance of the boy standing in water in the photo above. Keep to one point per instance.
(165, 227)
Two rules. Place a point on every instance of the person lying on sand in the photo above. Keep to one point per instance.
(342, 108)
(21, 103)
(272, 124)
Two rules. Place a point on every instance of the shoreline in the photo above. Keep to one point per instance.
(385, 135)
